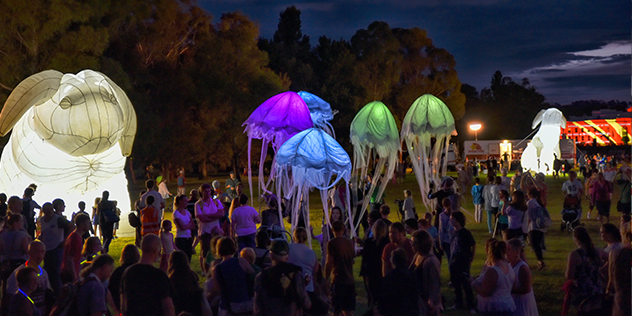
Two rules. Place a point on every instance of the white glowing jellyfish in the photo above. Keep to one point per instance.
(546, 142)
(71, 134)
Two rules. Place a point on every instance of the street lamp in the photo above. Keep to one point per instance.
(475, 127)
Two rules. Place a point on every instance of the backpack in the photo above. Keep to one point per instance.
(66, 303)
(110, 216)
(542, 220)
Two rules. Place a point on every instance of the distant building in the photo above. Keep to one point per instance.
(606, 127)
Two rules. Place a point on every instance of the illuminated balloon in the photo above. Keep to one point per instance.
(546, 142)
(320, 111)
(71, 134)
(428, 118)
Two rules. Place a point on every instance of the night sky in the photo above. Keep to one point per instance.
(569, 49)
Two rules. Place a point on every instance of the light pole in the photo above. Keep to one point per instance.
(475, 127)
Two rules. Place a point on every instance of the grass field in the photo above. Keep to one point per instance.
(547, 283)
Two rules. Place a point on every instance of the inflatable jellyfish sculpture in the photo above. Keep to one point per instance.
(275, 121)
(71, 134)
(310, 159)
(374, 131)
(546, 142)
(428, 118)
(320, 111)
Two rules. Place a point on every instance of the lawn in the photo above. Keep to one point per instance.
(546, 283)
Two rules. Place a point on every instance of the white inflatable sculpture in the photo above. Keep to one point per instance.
(71, 134)
(545, 143)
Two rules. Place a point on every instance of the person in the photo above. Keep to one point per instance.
(397, 236)
(230, 278)
(516, 180)
(495, 283)
(612, 237)
(107, 227)
(385, 210)
(82, 210)
(95, 217)
(505, 180)
(164, 190)
(337, 196)
(150, 218)
(71, 263)
(51, 227)
(28, 210)
(590, 182)
(427, 269)
(624, 205)
(231, 185)
(445, 191)
(158, 203)
(371, 267)
(129, 256)
(516, 216)
(91, 296)
(302, 256)
(522, 290)
(146, 290)
(182, 182)
(280, 289)
(244, 220)
(187, 294)
(409, 205)
(477, 200)
(619, 277)
(503, 221)
(488, 197)
(446, 229)
(462, 250)
(339, 265)
(582, 268)
(495, 194)
(36, 253)
(602, 196)
(401, 294)
(168, 245)
(573, 186)
(14, 244)
(21, 303)
(534, 211)
(207, 212)
(194, 196)
(262, 253)
(184, 225)
(3, 205)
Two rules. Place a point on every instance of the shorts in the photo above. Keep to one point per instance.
(603, 208)
(343, 297)
(205, 242)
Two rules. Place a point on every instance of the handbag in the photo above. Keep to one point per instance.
(134, 221)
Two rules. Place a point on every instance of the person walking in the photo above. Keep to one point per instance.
(462, 249)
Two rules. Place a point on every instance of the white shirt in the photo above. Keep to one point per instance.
(572, 188)
(201, 208)
(243, 218)
(184, 219)
(408, 207)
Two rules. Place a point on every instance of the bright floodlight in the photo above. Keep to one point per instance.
(475, 127)
(71, 134)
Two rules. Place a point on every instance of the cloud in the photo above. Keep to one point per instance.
(315, 6)
(610, 49)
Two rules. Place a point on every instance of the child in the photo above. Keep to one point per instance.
(477, 199)
(91, 249)
(168, 245)
(503, 220)
(445, 227)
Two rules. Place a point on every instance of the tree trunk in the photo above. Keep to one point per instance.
(204, 169)
(131, 170)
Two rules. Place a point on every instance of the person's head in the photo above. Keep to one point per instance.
(447, 204)
(166, 225)
(411, 225)
(105, 196)
(338, 227)
(129, 255)
(27, 279)
(503, 194)
(408, 193)
(102, 266)
(503, 171)
(15, 221)
(514, 249)
(59, 206)
(97, 200)
(91, 246)
(15, 204)
(300, 235)
(457, 218)
(498, 181)
(149, 184)
(206, 190)
(181, 201)
(582, 237)
(422, 242)
(336, 214)
(428, 217)
(150, 246)
(36, 251)
(82, 221)
(232, 175)
(600, 177)
(379, 229)
(194, 194)
(497, 250)
(373, 217)
(262, 239)
(178, 261)
(243, 199)
(519, 171)
(149, 200)
(279, 250)
(82, 205)
(399, 258)
(490, 179)
(534, 194)
(518, 200)
(397, 232)
(424, 224)
(47, 209)
(215, 244)
(610, 233)
(248, 254)
(385, 210)
(28, 193)
(239, 189)
(572, 175)
(215, 184)
(477, 180)
(226, 247)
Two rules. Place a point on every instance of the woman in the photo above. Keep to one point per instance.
(129, 256)
(516, 215)
(611, 235)
(14, 245)
(495, 283)
(427, 269)
(244, 220)
(230, 278)
(93, 293)
(184, 224)
(601, 197)
(582, 269)
(589, 187)
(187, 294)
(371, 267)
(522, 291)
(91, 249)
(95, 216)
(534, 209)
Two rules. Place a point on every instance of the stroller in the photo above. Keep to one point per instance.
(571, 214)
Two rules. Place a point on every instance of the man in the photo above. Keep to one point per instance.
(231, 185)
(515, 180)
(82, 210)
(159, 202)
(305, 258)
(397, 235)
(146, 290)
(505, 180)
(280, 289)
(52, 227)
(339, 263)
(208, 212)
(28, 210)
(71, 265)
(462, 252)
(385, 210)
(36, 253)
(60, 207)
(15, 207)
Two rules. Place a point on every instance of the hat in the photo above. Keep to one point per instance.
(280, 247)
